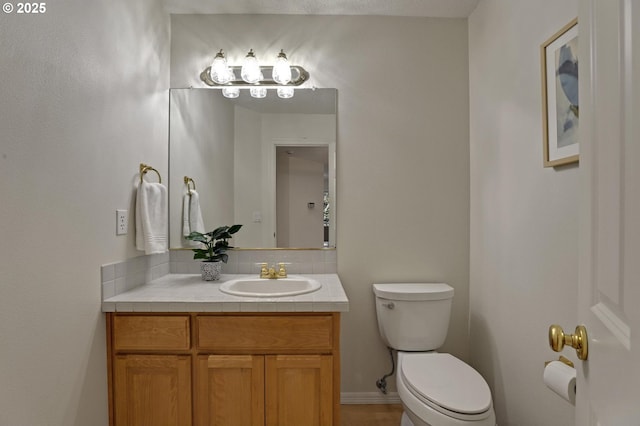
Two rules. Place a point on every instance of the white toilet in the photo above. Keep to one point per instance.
(436, 389)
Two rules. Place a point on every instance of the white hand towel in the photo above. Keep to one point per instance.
(186, 203)
(195, 214)
(191, 216)
(151, 218)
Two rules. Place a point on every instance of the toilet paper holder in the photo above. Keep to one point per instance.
(563, 360)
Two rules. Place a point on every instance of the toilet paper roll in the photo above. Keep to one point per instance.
(561, 378)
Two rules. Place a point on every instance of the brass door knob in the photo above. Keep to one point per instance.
(579, 341)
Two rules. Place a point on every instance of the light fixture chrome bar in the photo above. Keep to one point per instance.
(298, 76)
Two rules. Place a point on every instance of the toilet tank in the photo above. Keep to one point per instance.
(413, 316)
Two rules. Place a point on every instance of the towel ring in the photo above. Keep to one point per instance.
(188, 181)
(144, 169)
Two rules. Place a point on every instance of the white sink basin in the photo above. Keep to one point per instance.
(261, 287)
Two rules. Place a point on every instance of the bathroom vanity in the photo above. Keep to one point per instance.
(181, 352)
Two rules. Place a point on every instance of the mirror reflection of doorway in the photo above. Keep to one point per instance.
(302, 179)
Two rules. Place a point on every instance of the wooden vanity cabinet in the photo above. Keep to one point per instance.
(257, 390)
(299, 390)
(230, 390)
(152, 390)
(224, 369)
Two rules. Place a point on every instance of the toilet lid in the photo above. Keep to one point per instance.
(446, 381)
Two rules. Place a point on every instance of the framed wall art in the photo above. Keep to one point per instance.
(560, 101)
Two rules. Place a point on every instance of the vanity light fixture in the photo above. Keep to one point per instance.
(251, 75)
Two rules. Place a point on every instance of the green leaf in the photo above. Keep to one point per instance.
(196, 236)
(218, 232)
(201, 255)
(234, 228)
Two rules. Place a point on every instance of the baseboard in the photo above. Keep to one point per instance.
(369, 398)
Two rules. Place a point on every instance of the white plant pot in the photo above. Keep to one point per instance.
(210, 270)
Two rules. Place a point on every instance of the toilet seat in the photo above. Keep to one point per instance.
(446, 384)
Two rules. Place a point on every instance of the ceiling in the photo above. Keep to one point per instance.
(422, 8)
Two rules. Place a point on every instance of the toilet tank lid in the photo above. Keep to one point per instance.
(413, 291)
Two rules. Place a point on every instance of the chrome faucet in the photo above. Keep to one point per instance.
(271, 273)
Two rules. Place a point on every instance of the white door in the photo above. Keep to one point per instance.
(608, 383)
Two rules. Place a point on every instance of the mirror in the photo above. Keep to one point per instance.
(268, 164)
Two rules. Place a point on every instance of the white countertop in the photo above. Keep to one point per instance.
(188, 293)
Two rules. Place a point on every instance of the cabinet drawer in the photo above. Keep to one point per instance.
(151, 332)
(295, 333)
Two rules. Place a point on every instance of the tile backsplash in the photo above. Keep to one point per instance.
(119, 277)
(123, 276)
(248, 261)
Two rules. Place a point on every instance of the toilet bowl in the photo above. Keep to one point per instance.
(436, 389)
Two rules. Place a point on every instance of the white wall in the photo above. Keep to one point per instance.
(294, 129)
(402, 150)
(255, 134)
(300, 181)
(83, 101)
(201, 148)
(247, 191)
(524, 234)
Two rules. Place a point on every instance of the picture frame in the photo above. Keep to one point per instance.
(560, 101)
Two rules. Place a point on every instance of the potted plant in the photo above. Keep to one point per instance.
(216, 244)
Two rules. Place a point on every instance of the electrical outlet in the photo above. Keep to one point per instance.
(122, 222)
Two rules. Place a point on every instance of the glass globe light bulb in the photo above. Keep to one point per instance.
(281, 69)
(258, 92)
(230, 92)
(250, 69)
(285, 92)
(220, 72)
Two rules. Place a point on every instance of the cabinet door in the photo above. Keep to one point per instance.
(152, 390)
(230, 390)
(299, 390)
